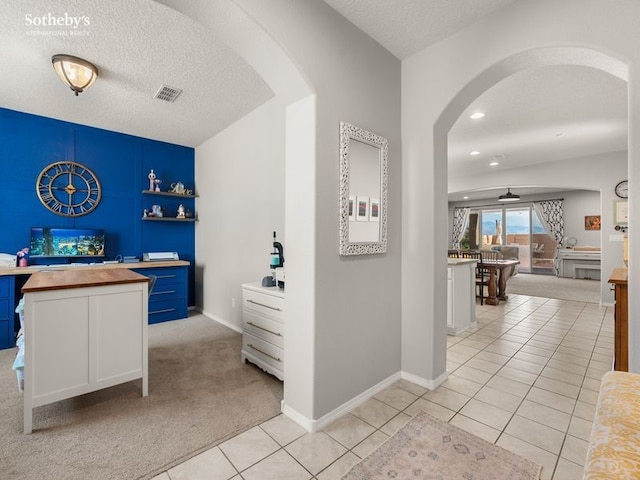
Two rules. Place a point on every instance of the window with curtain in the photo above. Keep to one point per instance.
(551, 215)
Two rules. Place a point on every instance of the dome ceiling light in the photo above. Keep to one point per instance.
(76, 72)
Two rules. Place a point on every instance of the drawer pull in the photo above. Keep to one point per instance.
(264, 353)
(163, 293)
(263, 305)
(163, 311)
(265, 329)
(165, 276)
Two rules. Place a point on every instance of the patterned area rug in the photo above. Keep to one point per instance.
(427, 448)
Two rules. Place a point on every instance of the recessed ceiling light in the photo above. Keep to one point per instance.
(474, 153)
(466, 197)
(476, 115)
(494, 164)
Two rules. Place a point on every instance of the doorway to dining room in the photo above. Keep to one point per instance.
(514, 226)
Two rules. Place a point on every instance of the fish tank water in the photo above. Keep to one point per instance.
(66, 242)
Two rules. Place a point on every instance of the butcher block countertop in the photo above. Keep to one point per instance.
(64, 279)
(91, 266)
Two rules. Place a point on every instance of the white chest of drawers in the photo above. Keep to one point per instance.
(263, 328)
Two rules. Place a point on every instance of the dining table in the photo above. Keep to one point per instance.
(500, 270)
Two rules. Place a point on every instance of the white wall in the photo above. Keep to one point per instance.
(528, 34)
(344, 313)
(240, 176)
(577, 205)
(355, 329)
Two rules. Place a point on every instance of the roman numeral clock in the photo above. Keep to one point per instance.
(68, 189)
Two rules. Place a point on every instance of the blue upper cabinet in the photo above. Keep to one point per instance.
(28, 143)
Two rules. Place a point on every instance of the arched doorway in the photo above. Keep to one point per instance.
(432, 263)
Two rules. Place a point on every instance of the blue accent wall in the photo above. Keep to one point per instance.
(28, 143)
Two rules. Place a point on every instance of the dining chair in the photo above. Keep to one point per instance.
(492, 255)
(454, 253)
(482, 274)
(152, 283)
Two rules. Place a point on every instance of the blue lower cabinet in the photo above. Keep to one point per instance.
(168, 299)
(7, 312)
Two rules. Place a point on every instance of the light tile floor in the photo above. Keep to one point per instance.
(526, 378)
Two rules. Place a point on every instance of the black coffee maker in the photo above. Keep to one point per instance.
(277, 258)
(276, 262)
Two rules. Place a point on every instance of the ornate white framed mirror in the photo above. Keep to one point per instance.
(363, 191)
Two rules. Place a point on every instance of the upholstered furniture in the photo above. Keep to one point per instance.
(614, 446)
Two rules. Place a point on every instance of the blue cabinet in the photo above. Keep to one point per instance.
(7, 312)
(168, 299)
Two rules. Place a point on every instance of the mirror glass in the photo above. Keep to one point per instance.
(363, 191)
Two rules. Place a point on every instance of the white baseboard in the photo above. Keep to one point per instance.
(431, 384)
(221, 321)
(316, 425)
(297, 417)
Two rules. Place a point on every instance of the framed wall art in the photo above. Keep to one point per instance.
(352, 208)
(374, 210)
(621, 212)
(592, 222)
(362, 209)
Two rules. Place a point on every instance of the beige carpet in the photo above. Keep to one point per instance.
(199, 395)
(430, 448)
(550, 286)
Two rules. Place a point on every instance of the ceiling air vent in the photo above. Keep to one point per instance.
(168, 94)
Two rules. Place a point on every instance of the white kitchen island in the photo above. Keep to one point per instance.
(84, 330)
(461, 294)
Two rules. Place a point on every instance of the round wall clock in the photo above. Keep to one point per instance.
(68, 189)
(622, 189)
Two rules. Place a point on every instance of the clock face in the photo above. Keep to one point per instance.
(68, 189)
(622, 189)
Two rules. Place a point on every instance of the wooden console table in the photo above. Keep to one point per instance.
(621, 337)
(84, 330)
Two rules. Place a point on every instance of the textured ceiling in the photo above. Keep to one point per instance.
(138, 45)
(405, 27)
(141, 44)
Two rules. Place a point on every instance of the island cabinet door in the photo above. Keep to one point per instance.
(80, 340)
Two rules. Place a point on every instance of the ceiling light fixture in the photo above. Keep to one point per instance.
(76, 72)
(476, 116)
(508, 197)
(494, 164)
(474, 153)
